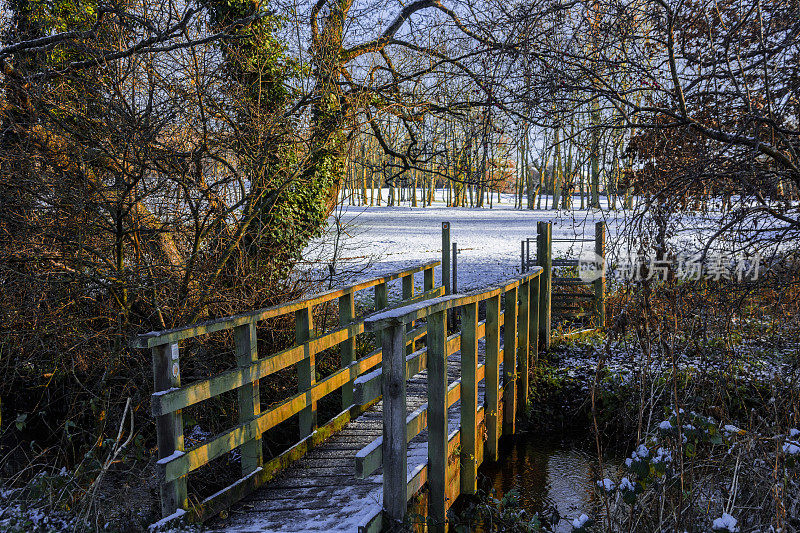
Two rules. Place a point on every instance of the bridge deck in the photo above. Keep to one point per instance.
(320, 492)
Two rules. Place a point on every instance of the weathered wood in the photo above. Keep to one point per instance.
(510, 362)
(155, 338)
(492, 362)
(544, 259)
(178, 398)
(428, 280)
(201, 454)
(533, 328)
(369, 459)
(523, 344)
(249, 397)
(421, 310)
(600, 283)
(306, 369)
(408, 293)
(437, 419)
(347, 349)
(469, 398)
(446, 258)
(394, 423)
(169, 427)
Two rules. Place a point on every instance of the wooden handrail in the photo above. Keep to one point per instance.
(409, 313)
(521, 320)
(175, 462)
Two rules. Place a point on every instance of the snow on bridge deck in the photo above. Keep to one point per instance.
(321, 492)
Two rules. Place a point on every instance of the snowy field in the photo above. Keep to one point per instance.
(373, 241)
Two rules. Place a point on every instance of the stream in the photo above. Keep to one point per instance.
(548, 475)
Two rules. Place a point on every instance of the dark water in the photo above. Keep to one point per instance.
(549, 475)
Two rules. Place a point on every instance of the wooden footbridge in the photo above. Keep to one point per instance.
(420, 411)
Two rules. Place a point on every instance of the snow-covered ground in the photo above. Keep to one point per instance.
(378, 240)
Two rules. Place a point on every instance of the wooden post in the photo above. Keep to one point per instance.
(454, 260)
(394, 422)
(169, 427)
(510, 362)
(600, 283)
(492, 376)
(428, 280)
(522, 257)
(469, 398)
(249, 397)
(544, 258)
(437, 419)
(523, 345)
(533, 328)
(306, 370)
(408, 293)
(446, 257)
(347, 349)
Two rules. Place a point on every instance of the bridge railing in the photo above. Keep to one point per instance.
(452, 458)
(170, 397)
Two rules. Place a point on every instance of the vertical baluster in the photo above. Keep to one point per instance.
(428, 280)
(469, 398)
(523, 345)
(347, 349)
(249, 400)
(394, 422)
(408, 293)
(492, 375)
(533, 328)
(306, 369)
(381, 302)
(437, 418)
(169, 427)
(510, 362)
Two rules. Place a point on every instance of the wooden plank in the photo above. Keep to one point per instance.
(155, 338)
(306, 369)
(491, 389)
(201, 454)
(394, 423)
(369, 459)
(469, 398)
(169, 427)
(163, 402)
(347, 349)
(437, 419)
(510, 362)
(249, 397)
